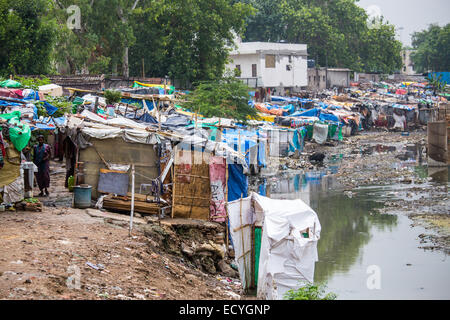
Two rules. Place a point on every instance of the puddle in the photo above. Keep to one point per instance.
(355, 239)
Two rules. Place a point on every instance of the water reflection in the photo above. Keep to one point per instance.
(346, 222)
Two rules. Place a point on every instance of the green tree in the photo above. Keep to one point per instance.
(186, 39)
(432, 47)
(101, 45)
(227, 98)
(267, 23)
(336, 32)
(381, 52)
(26, 38)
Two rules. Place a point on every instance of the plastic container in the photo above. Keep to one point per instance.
(82, 196)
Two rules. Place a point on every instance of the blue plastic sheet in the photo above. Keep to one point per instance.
(237, 182)
(147, 118)
(328, 117)
(309, 113)
(50, 109)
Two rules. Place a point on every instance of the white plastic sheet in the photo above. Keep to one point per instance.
(320, 133)
(286, 257)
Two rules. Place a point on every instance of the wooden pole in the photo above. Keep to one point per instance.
(243, 243)
(132, 199)
(227, 222)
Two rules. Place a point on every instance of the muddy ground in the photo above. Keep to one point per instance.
(42, 254)
(393, 160)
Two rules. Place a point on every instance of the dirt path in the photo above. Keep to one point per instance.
(40, 251)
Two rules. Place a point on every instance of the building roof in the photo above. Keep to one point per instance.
(270, 47)
(339, 69)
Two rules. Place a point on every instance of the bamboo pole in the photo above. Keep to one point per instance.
(227, 222)
(243, 243)
(132, 199)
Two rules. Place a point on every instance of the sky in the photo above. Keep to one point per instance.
(409, 16)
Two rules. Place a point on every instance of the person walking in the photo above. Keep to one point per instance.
(41, 159)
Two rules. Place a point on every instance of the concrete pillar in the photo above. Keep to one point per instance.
(437, 144)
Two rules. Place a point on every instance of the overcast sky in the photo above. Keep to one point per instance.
(411, 15)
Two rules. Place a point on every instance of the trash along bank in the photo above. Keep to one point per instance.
(145, 155)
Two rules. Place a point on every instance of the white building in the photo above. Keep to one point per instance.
(278, 66)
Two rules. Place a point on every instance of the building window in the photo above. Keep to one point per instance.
(323, 78)
(314, 78)
(288, 67)
(270, 61)
(254, 74)
(290, 59)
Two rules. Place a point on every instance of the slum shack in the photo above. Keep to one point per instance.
(275, 243)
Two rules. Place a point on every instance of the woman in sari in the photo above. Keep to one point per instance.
(42, 153)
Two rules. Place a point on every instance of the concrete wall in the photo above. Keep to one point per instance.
(280, 76)
(366, 77)
(338, 79)
(317, 79)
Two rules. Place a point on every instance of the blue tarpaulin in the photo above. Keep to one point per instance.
(237, 182)
(50, 109)
(309, 113)
(328, 117)
(147, 118)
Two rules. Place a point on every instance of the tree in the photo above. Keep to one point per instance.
(186, 39)
(336, 32)
(26, 38)
(226, 98)
(100, 46)
(381, 52)
(432, 47)
(267, 23)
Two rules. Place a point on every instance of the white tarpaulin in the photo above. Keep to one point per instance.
(291, 230)
(400, 121)
(320, 133)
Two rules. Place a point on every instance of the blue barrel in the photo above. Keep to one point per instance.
(82, 196)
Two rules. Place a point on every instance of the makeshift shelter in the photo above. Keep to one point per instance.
(201, 186)
(109, 144)
(286, 231)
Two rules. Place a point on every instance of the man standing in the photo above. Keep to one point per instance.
(41, 159)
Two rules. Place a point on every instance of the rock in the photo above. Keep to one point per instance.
(226, 270)
(186, 250)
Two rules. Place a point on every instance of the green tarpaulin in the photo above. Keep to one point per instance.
(20, 133)
(258, 234)
(10, 84)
